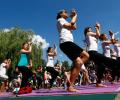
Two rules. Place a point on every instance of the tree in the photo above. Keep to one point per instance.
(66, 65)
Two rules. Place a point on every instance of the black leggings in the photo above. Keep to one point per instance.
(53, 73)
(39, 82)
(101, 62)
(26, 74)
(116, 72)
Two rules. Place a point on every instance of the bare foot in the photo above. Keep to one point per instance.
(72, 89)
(50, 89)
(101, 85)
(115, 83)
(89, 82)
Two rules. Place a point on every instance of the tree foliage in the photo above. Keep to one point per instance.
(66, 65)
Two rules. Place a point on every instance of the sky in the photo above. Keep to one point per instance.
(40, 16)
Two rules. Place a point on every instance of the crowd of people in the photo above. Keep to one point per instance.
(88, 67)
(79, 56)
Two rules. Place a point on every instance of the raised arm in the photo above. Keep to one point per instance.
(95, 34)
(108, 42)
(71, 25)
(27, 51)
(112, 35)
(52, 53)
(97, 27)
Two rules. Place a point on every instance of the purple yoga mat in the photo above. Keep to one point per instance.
(91, 89)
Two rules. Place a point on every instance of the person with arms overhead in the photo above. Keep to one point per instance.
(25, 63)
(51, 53)
(77, 55)
(100, 60)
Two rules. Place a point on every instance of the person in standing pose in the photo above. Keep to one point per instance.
(77, 55)
(25, 63)
(117, 50)
(106, 51)
(106, 45)
(99, 59)
(51, 53)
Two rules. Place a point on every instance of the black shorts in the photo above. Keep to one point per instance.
(71, 50)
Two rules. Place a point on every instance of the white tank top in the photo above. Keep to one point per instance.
(64, 33)
(106, 49)
(117, 50)
(50, 61)
(92, 43)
